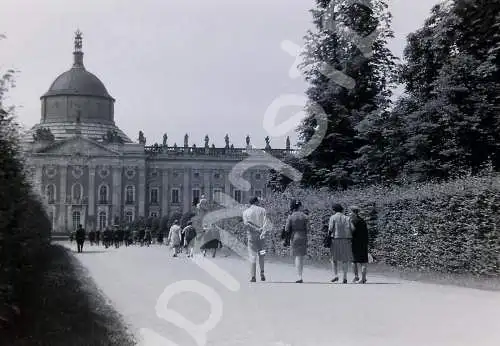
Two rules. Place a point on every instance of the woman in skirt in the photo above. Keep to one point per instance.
(360, 241)
(339, 227)
(297, 228)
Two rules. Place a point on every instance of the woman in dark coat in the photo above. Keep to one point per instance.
(359, 244)
(297, 227)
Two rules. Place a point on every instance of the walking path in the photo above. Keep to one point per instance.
(278, 312)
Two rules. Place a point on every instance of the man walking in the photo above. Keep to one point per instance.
(257, 225)
(80, 238)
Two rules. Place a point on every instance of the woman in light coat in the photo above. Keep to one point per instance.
(174, 237)
(340, 230)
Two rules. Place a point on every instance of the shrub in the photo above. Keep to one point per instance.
(446, 227)
(24, 225)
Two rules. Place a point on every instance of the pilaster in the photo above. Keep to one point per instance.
(206, 183)
(37, 184)
(116, 199)
(186, 190)
(62, 198)
(142, 190)
(227, 185)
(164, 193)
(92, 191)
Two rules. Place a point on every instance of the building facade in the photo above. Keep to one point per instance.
(90, 172)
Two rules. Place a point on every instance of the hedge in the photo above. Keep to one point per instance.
(24, 227)
(449, 227)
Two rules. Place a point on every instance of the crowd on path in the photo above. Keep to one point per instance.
(346, 237)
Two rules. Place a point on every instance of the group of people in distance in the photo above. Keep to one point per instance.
(112, 236)
(347, 238)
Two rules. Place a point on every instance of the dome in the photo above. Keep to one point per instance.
(77, 81)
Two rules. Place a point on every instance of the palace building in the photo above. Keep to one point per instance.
(90, 172)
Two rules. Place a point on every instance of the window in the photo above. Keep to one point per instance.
(237, 195)
(76, 219)
(153, 196)
(258, 176)
(258, 193)
(103, 220)
(129, 194)
(196, 175)
(103, 194)
(51, 193)
(175, 195)
(196, 196)
(218, 195)
(153, 214)
(129, 216)
(77, 192)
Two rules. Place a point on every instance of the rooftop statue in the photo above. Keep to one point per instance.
(43, 134)
(142, 139)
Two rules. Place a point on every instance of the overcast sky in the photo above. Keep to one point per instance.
(176, 66)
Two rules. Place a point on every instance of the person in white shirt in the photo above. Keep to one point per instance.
(340, 229)
(174, 237)
(257, 224)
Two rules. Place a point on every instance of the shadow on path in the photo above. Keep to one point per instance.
(330, 283)
(88, 251)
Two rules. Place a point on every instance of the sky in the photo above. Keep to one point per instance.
(175, 66)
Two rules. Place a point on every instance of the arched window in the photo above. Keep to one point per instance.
(51, 193)
(103, 194)
(76, 219)
(130, 194)
(77, 192)
(103, 220)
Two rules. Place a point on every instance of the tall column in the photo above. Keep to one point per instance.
(186, 188)
(164, 193)
(116, 199)
(62, 198)
(142, 190)
(92, 192)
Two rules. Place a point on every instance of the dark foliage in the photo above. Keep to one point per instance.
(62, 306)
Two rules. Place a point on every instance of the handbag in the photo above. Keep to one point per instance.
(283, 235)
(327, 241)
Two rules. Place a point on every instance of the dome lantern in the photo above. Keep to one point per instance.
(78, 52)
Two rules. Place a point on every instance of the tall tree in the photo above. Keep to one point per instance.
(451, 73)
(349, 69)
